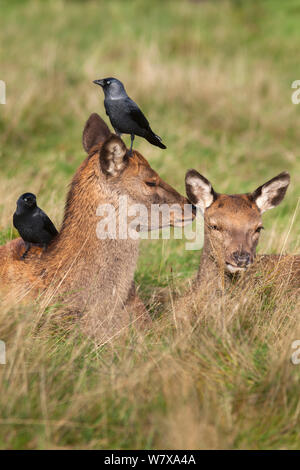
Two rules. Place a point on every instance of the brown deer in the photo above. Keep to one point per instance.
(232, 226)
(87, 272)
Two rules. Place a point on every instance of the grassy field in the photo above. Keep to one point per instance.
(214, 78)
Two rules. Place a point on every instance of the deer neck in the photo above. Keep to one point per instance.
(78, 258)
(211, 268)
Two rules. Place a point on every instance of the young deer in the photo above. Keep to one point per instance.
(232, 226)
(92, 273)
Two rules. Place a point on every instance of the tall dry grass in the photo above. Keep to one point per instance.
(215, 375)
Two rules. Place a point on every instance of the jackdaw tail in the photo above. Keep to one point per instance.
(154, 140)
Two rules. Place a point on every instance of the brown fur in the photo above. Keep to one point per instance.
(86, 273)
(232, 225)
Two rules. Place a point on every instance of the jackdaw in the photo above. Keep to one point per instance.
(124, 114)
(33, 225)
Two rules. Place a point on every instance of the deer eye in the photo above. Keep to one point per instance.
(151, 183)
(213, 227)
(259, 229)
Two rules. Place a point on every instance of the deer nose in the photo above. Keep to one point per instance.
(242, 258)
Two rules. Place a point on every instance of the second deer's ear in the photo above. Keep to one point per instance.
(199, 190)
(113, 156)
(270, 194)
(95, 131)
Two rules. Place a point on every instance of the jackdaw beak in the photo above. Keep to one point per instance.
(99, 82)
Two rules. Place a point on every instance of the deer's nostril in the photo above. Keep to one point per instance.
(242, 258)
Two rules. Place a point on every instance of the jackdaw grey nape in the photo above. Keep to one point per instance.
(124, 114)
(33, 225)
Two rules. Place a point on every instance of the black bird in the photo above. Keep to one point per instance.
(33, 225)
(124, 114)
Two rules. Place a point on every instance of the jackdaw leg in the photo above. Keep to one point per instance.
(132, 139)
(27, 248)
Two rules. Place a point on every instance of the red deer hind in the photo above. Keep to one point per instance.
(232, 226)
(90, 273)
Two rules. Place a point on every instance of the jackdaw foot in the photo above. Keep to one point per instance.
(23, 257)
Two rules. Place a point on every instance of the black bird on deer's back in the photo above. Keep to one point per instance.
(124, 114)
(33, 225)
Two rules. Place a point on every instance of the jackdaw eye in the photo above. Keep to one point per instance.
(108, 82)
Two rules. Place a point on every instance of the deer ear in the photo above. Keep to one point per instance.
(95, 131)
(199, 190)
(113, 156)
(271, 194)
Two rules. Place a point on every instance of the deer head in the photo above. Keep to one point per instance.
(122, 173)
(233, 222)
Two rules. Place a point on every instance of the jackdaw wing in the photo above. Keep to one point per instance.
(48, 224)
(137, 115)
(106, 108)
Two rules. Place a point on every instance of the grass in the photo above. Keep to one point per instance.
(214, 78)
